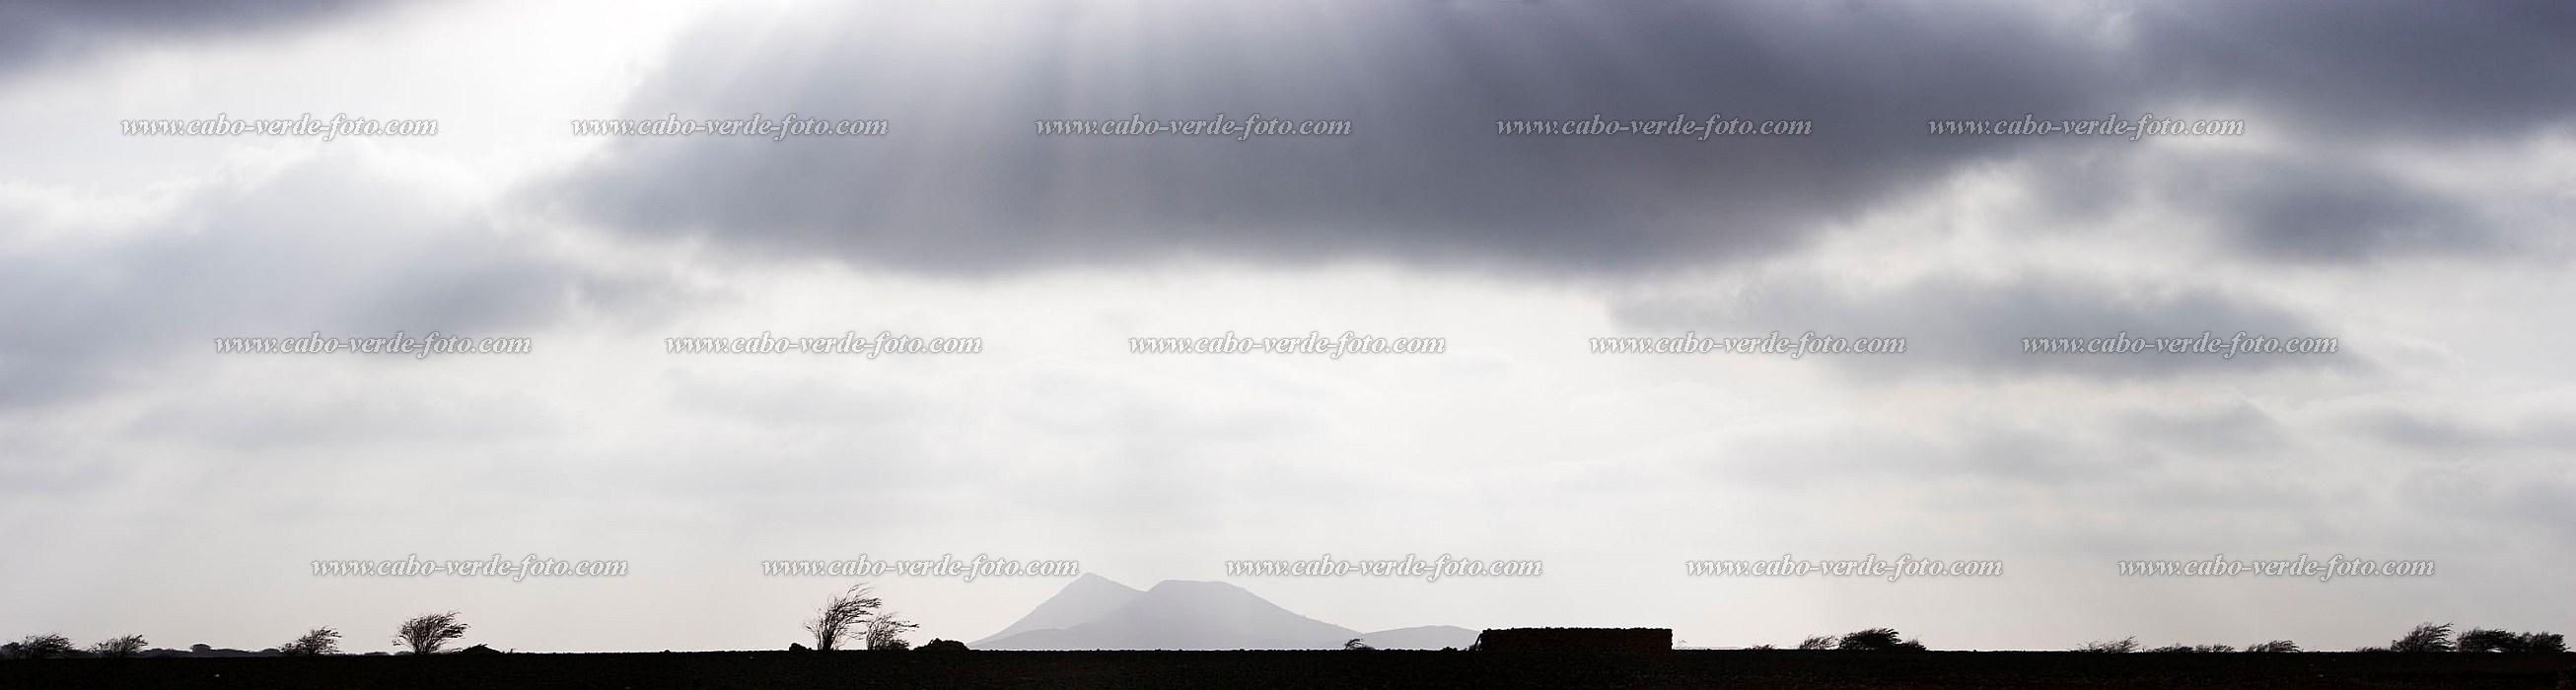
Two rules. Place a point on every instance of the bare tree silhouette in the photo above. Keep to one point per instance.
(427, 632)
(318, 642)
(842, 614)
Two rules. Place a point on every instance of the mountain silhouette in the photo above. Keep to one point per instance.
(1095, 612)
(1089, 597)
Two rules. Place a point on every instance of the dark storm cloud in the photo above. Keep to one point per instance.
(34, 32)
(2341, 215)
(963, 183)
(2369, 70)
(326, 245)
(1976, 327)
(2312, 208)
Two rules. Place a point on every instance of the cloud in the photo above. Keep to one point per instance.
(963, 184)
(347, 244)
(1975, 327)
(2490, 434)
(2379, 133)
(2330, 68)
(2492, 508)
(39, 32)
(2302, 209)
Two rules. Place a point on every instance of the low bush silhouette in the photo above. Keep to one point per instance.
(885, 632)
(2487, 640)
(2120, 646)
(1877, 640)
(2204, 648)
(118, 648)
(428, 632)
(842, 615)
(46, 646)
(317, 642)
(2425, 638)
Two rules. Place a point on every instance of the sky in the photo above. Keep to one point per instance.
(2402, 184)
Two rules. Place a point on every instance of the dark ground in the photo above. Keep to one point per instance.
(1329, 669)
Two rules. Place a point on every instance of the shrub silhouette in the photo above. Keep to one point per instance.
(2425, 638)
(1356, 645)
(118, 648)
(2275, 646)
(885, 632)
(2120, 646)
(1877, 640)
(2206, 648)
(427, 632)
(2486, 640)
(1817, 642)
(842, 614)
(940, 645)
(46, 646)
(317, 642)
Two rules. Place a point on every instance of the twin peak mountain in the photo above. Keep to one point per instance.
(1095, 612)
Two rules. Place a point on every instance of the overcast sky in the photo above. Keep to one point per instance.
(2404, 184)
